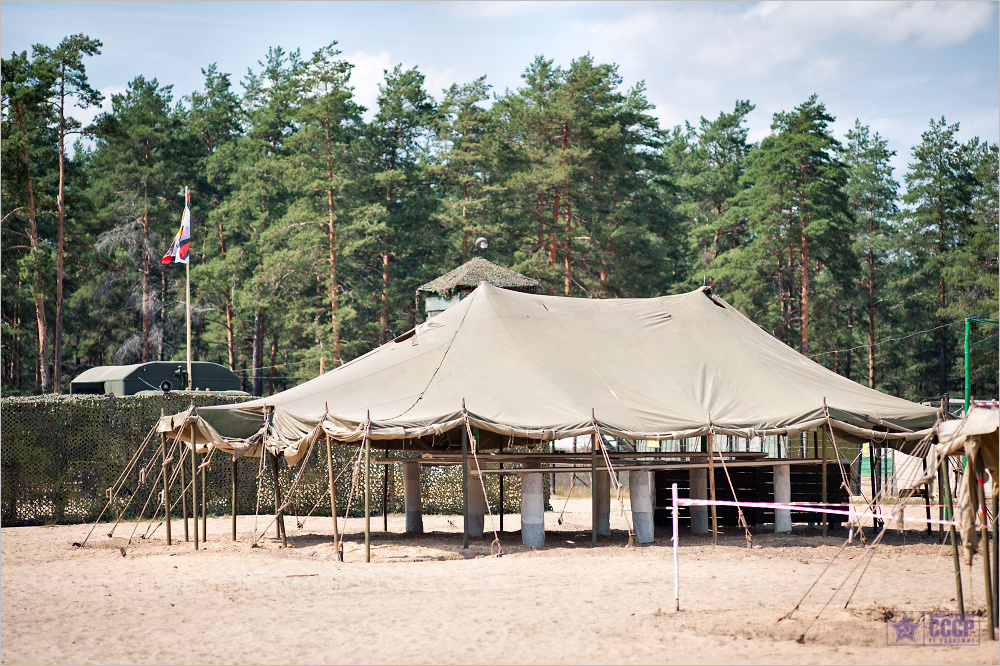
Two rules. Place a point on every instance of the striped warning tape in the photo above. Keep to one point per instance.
(814, 508)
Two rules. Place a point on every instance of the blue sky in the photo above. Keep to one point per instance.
(893, 65)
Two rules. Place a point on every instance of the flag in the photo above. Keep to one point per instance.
(178, 252)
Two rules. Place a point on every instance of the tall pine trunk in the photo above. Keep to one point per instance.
(804, 273)
(41, 320)
(60, 242)
(146, 270)
(871, 305)
(257, 363)
(943, 337)
(273, 373)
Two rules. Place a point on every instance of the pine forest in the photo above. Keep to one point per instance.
(314, 220)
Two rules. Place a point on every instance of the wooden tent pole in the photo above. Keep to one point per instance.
(233, 471)
(194, 484)
(593, 486)
(996, 564)
(166, 480)
(279, 514)
(501, 489)
(954, 546)
(977, 491)
(385, 494)
(711, 485)
(465, 484)
(204, 500)
(941, 476)
(927, 498)
(333, 494)
(182, 454)
(824, 483)
(368, 488)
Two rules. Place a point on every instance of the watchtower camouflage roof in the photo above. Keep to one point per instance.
(471, 273)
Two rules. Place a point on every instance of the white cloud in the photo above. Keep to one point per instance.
(764, 36)
(928, 24)
(368, 73)
(498, 10)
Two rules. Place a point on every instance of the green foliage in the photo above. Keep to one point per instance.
(315, 221)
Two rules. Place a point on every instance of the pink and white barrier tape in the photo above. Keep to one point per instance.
(814, 508)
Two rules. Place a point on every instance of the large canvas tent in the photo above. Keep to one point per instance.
(525, 367)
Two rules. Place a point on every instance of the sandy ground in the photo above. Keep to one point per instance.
(425, 600)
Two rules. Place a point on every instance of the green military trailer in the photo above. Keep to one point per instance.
(165, 376)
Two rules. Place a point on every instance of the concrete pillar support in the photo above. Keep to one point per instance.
(411, 497)
(699, 490)
(532, 508)
(782, 495)
(642, 505)
(477, 503)
(601, 487)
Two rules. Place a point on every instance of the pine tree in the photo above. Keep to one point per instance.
(25, 85)
(136, 153)
(461, 129)
(707, 164)
(398, 227)
(255, 169)
(576, 167)
(937, 221)
(797, 223)
(325, 145)
(69, 87)
(872, 194)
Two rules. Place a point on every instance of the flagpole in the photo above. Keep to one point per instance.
(190, 382)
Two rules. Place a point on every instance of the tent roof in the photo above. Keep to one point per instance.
(545, 367)
(470, 274)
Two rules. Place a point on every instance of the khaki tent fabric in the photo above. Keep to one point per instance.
(545, 367)
(976, 436)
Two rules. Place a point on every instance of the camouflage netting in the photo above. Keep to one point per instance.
(61, 454)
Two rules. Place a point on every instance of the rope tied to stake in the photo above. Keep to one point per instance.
(496, 550)
(618, 486)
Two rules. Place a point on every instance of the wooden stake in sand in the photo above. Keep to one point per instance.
(677, 573)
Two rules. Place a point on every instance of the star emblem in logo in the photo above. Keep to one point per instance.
(905, 629)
